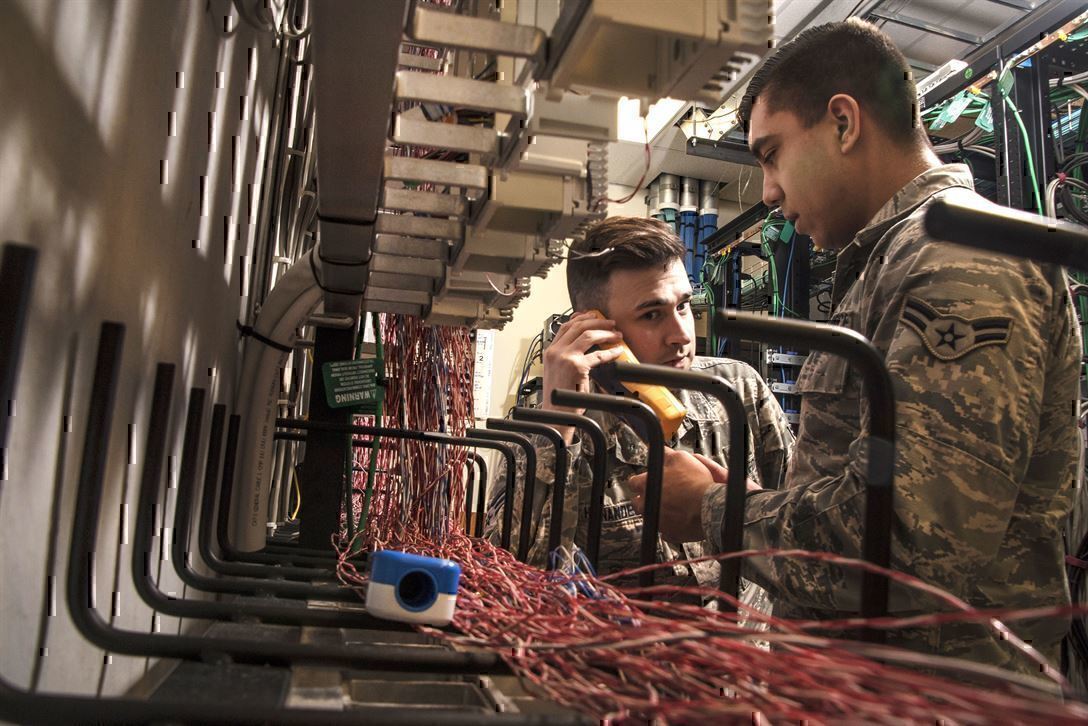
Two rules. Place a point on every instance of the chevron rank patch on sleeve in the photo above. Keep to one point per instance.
(950, 337)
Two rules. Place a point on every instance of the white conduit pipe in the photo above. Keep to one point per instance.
(286, 308)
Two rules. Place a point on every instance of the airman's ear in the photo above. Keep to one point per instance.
(845, 111)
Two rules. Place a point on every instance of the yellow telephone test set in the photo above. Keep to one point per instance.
(669, 410)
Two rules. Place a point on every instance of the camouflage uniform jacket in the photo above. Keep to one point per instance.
(705, 430)
(983, 354)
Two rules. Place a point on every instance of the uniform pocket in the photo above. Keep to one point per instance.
(699, 438)
(825, 372)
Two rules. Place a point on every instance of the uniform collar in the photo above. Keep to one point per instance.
(852, 258)
(910, 197)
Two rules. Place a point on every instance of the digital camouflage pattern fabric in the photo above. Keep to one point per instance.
(704, 430)
(983, 352)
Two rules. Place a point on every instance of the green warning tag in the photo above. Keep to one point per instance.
(351, 383)
(985, 120)
(951, 111)
(1006, 81)
(787, 232)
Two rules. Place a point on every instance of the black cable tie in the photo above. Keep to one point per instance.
(247, 331)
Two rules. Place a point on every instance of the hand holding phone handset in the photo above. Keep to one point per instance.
(669, 410)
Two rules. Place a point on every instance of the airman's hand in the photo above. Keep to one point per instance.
(568, 360)
(686, 480)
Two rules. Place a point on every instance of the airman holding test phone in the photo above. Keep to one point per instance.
(628, 286)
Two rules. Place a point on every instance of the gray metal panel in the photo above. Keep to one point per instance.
(355, 50)
(404, 282)
(414, 297)
(470, 139)
(920, 24)
(422, 62)
(407, 200)
(406, 224)
(408, 265)
(469, 33)
(461, 92)
(445, 173)
(431, 249)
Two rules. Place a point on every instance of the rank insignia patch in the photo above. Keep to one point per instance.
(949, 337)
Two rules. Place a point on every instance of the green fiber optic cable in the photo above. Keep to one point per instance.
(766, 247)
(1027, 151)
(371, 469)
(711, 346)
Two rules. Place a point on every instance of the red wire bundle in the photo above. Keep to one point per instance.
(619, 656)
(419, 487)
(622, 658)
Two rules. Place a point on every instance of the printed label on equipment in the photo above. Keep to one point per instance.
(351, 383)
(481, 376)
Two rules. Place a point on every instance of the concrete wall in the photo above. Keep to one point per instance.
(111, 114)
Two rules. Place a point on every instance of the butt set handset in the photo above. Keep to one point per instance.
(669, 410)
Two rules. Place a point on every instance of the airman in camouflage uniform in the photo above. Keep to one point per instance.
(705, 430)
(983, 354)
(981, 348)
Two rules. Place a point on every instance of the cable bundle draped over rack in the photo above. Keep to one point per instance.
(618, 655)
(632, 655)
(418, 488)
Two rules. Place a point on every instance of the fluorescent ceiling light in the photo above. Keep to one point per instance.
(632, 126)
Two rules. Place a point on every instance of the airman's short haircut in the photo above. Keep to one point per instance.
(617, 243)
(852, 57)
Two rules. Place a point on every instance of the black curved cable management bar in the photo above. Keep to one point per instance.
(264, 609)
(96, 630)
(1010, 232)
(558, 484)
(480, 478)
(527, 485)
(880, 434)
(598, 466)
(732, 527)
(655, 460)
(256, 584)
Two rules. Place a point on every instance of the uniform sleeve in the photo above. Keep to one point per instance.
(967, 415)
